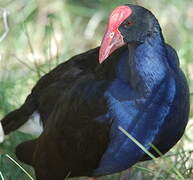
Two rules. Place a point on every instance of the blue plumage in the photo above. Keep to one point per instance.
(141, 99)
(138, 86)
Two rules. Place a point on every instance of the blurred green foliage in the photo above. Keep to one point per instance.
(44, 33)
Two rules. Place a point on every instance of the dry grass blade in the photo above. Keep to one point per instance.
(5, 22)
(1, 176)
(173, 169)
(15, 162)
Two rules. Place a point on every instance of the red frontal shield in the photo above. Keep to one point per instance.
(113, 39)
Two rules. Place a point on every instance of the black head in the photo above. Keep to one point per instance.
(127, 24)
(138, 26)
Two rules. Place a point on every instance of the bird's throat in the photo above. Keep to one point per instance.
(143, 66)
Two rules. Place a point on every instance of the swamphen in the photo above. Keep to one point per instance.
(137, 84)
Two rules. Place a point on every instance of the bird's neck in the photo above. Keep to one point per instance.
(144, 66)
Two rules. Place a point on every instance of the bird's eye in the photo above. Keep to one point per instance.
(128, 24)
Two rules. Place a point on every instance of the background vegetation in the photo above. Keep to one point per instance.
(44, 33)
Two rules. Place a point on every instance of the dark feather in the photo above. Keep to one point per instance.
(82, 103)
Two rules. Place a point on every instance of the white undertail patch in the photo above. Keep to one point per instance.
(33, 125)
(2, 135)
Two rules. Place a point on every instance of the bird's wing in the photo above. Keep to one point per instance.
(142, 121)
(48, 89)
(68, 70)
(75, 137)
(175, 123)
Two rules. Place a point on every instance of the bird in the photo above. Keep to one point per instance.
(133, 80)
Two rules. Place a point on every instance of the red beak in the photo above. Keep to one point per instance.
(113, 39)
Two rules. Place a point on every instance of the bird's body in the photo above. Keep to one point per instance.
(139, 87)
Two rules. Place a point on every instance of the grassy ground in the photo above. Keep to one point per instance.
(44, 33)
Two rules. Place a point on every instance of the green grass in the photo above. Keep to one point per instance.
(44, 33)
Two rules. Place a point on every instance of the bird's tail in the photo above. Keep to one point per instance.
(18, 117)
